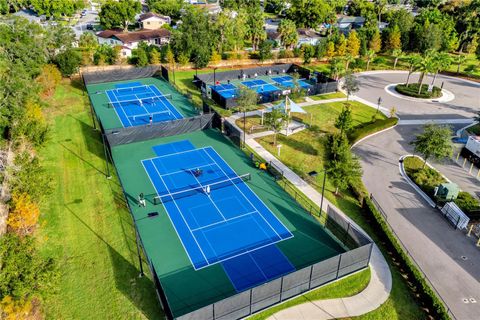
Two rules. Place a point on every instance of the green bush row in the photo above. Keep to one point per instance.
(427, 295)
(412, 91)
(370, 128)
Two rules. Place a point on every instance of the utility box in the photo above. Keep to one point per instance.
(473, 145)
(447, 192)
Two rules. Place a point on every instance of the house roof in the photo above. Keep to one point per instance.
(307, 33)
(348, 19)
(142, 35)
(149, 15)
(109, 33)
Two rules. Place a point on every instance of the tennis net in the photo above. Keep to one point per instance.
(201, 188)
(139, 101)
(141, 88)
(146, 116)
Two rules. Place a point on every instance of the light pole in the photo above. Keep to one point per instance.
(379, 103)
(323, 188)
(214, 76)
(244, 124)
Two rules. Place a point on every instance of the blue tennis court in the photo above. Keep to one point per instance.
(216, 215)
(287, 81)
(226, 90)
(136, 104)
(260, 85)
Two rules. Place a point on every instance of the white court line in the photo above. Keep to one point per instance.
(171, 221)
(181, 214)
(252, 193)
(180, 152)
(141, 104)
(115, 109)
(228, 220)
(188, 169)
(210, 198)
(246, 196)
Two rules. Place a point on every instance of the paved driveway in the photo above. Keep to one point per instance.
(429, 238)
(448, 258)
(465, 104)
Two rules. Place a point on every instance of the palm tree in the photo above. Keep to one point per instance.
(425, 65)
(412, 62)
(459, 60)
(370, 56)
(397, 53)
(348, 59)
(336, 67)
(441, 61)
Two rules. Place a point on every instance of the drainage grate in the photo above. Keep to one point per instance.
(464, 257)
(465, 300)
(472, 300)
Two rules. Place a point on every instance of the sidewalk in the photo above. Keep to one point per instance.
(380, 285)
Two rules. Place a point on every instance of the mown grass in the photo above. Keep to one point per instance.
(253, 124)
(345, 287)
(328, 96)
(85, 223)
(304, 152)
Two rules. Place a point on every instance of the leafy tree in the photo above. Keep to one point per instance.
(380, 7)
(434, 142)
(441, 61)
(118, 14)
(12, 309)
(342, 166)
(330, 51)
(216, 57)
(255, 31)
(308, 53)
(459, 60)
(154, 57)
(336, 67)
(353, 44)
(170, 58)
(58, 40)
(275, 6)
(344, 121)
(56, 8)
(182, 59)
(48, 79)
(171, 8)
(370, 56)
(68, 62)
(24, 271)
(309, 14)
(288, 33)
(276, 121)
(350, 84)
(105, 54)
(394, 39)
(31, 124)
(341, 45)
(23, 216)
(397, 53)
(375, 42)
(88, 44)
(404, 20)
(140, 57)
(412, 61)
(265, 50)
(28, 176)
(348, 59)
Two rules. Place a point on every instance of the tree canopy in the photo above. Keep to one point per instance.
(309, 13)
(118, 14)
(434, 142)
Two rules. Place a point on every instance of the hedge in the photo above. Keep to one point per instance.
(412, 91)
(370, 128)
(427, 295)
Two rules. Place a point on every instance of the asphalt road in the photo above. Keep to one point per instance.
(465, 104)
(448, 258)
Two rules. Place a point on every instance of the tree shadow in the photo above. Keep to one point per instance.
(140, 291)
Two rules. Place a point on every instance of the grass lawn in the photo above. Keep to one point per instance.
(475, 129)
(327, 96)
(345, 287)
(304, 152)
(251, 122)
(85, 224)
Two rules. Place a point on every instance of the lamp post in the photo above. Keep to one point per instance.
(244, 125)
(379, 102)
(323, 188)
(214, 78)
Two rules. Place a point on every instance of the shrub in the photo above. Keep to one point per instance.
(23, 216)
(425, 177)
(412, 91)
(467, 202)
(363, 131)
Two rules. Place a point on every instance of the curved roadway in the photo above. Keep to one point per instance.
(448, 258)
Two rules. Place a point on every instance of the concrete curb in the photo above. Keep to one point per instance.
(373, 134)
(401, 168)
(446, 95)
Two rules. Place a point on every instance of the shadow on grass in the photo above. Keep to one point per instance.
(140, 291)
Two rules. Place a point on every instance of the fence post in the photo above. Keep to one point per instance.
(338, 267)
(251, 293)
(281, 289)
(310, 279)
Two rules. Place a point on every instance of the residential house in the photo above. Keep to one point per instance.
(307, 36)
(346, 24)
(130, 40)
(153, 21)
